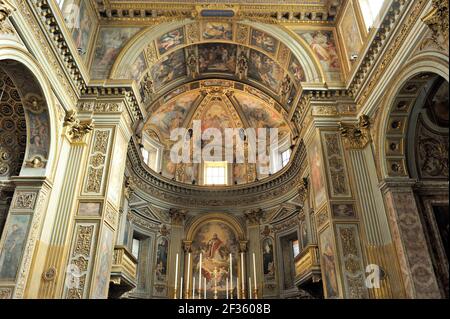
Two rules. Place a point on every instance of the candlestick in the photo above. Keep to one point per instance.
(176, 277)
(188, 275)
(204, 289)
(200, 277)
(231, 275)
(227, 288)
(193, 288)
(242, 270)
(237, 288)
(254, 270)
(249, 288)
(181, 288)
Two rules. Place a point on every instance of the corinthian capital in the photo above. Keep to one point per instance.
(6, 8)
(356, 136)
(437, 21)
(76, 130)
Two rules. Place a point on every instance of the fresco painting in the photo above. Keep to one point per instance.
(170, 40)
(316, 165)
(216, 57)
(172, 114)
(264, 41)
(217, 31)
(82, 29)
(13, 245)
(264, 69)
(215, 240)
(297, 70)
(169, 68)
(110, 41)
(350, 32)
(161, 259)
(328, 262)
(323, 45)
(101, 280)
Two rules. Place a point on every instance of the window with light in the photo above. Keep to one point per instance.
(285, 156)
(370, 10)
(216, 173)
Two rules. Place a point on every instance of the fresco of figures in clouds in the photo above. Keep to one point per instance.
(217, 31)
(350, 32)
(323, 45)
(264, 41)
(259, 115)
(172, 114)
(170, 40)
(264, 69)
(110, 42)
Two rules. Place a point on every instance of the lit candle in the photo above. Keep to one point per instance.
(181, 288)
(200, 276)
(188, 271)
(227, 287)
(242, 271)
(204, 288)
(193, 288)
(254, 269)
(231, 273)
(249, 288)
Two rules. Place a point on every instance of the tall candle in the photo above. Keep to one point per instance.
(254, 269)
(227, 288)
(249, 288)
(176, 272)
(237, 287)
(242, 270)
(204, 288)
(181, 288)
(188, 272)
(200, 276)
(193, 288)
(231, 273)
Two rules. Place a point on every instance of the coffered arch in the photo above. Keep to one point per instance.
(291, 45)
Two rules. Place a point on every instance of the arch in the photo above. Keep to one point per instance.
(228, 220)
(393, 162)
(26, 63)
(141, 40)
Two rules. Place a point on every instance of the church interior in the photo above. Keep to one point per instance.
(233, 149)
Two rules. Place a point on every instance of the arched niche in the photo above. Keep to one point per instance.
(393, 122)
(216, 239)
(40, 112)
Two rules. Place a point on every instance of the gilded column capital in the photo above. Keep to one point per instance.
(437, 21)
(129, 187)
(303, 189)
(76, 130)
(356, 136)
(254, 216)
(177, 216)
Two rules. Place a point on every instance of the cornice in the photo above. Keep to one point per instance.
(268, 192)
(141, 11)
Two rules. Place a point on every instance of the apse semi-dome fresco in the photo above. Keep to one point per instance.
(235, 150)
